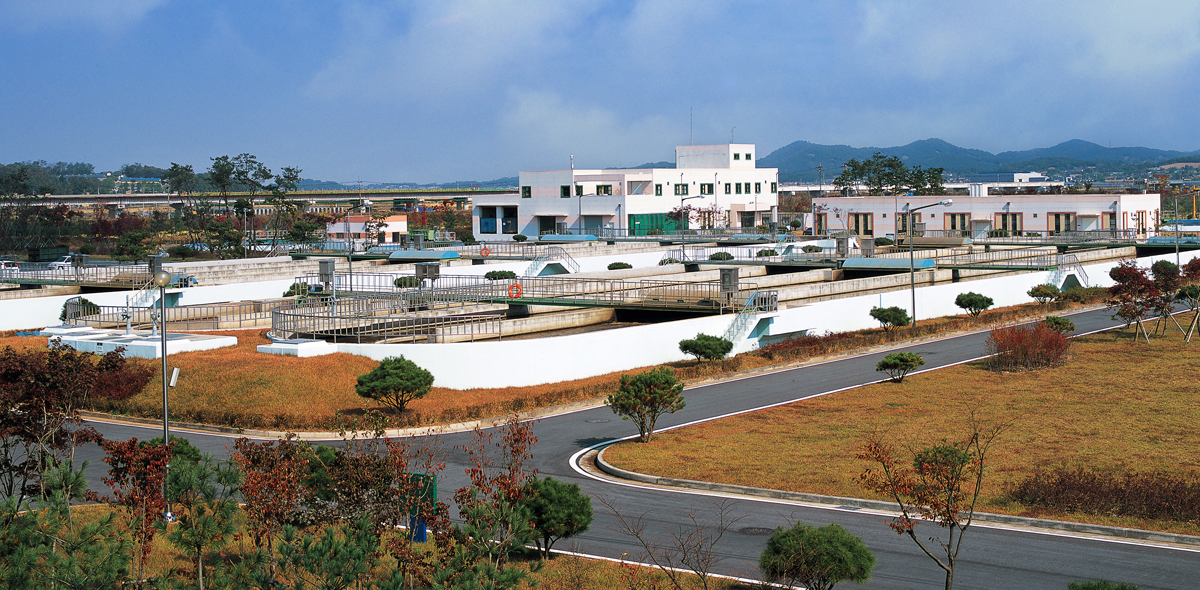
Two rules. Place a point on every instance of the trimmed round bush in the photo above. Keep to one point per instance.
(619, 266)
(721, 256)
(500, 275)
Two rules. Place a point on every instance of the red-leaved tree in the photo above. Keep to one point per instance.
(272, 486)
(1133, 296)
(136, 475)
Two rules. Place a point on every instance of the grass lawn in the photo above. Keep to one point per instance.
(1116, 404)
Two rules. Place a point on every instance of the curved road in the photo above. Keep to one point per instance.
(992, 556)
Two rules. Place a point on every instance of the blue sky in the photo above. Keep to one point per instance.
(391, 91)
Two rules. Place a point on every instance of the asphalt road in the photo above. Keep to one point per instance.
(992, 557)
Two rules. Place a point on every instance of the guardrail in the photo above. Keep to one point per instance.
(377, 319)
(125, 276)
(224, 316)
(1032, 236)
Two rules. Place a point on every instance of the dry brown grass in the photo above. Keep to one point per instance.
(242, 388)
(1116, 404)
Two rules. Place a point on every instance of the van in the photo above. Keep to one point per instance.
(62, 263)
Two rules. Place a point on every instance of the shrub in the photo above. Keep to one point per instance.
(795, 224)
(642, 398)
(654, 232)
(770, 252)
(1044, 294)
(297, 290)
(87, 249)
(973, 303)
(1191, 270)
(815, 557)
(890, 317)
(1166, 276)
(666, 261)
(810, 249)
(1085, 294)
(619, 266)
(1101, 585)
(898, 365)
(1033, 234)
(721, 256)
(1026, 347)
(884, 242)
(998, 233)
(520, 238)
(181, 251)
(1151, 495)
(395, 382)
(557, 510)
(499, 275)
(1059, 324)
(407, 282)
(706, 347)
(183, 448)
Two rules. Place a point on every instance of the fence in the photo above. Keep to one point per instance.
(225, 316)
(376, 319)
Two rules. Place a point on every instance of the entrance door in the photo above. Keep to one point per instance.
(546, 224)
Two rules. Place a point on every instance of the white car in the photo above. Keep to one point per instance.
(62, 263)
(9, 268)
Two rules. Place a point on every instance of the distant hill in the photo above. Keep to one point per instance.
(798, 161)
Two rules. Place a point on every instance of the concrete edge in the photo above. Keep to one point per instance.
(837, 501)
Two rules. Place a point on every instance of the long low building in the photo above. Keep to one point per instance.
(1045, 214)
(718, 184)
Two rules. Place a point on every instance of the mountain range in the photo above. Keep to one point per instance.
(798, 161)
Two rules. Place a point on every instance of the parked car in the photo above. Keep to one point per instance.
(8, 267)
(62, 263)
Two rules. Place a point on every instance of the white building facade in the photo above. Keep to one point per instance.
(978, 214)
(719, 183)
(389, 230)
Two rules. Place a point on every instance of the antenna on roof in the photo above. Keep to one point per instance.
(731, 134)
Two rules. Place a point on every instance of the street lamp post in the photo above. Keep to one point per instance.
(912, 277)
(161, 279)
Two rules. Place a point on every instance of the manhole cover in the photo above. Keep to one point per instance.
(756, 530)
(598, 420)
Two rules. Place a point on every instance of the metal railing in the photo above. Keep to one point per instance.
(758, 302)
(192, 317)
(1032, 236)
(377, 319)
(750, 254)
(124, 276)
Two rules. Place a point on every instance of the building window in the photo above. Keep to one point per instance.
(508, 223)
(1010, 223)
(487, 220)
(738, 186)
(1140, 218)
(746, 186)
(681, 189)
(758, 188)
(737, 156)
(565, 191)
(658, 190)
(860, 224)
(822, 224)
(774, 187)
(748, 158)
(958, 222)
(579, 190)
(706, 189)
(728, 188)
(902, 220)
(1060, 222)
(603, 189)
(526, 192)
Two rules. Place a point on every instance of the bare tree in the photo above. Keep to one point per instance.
(689, 548)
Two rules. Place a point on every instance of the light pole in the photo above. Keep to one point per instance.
(912, 277)
(161, 279)
(579, 217)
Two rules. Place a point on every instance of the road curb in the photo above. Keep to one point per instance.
(1022, 521)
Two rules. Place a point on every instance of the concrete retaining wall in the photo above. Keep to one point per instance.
(547, 360)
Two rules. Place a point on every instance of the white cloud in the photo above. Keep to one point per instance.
(545, 129)
(434, 49)
(106, 14)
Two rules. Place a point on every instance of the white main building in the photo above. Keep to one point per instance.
(720, 182)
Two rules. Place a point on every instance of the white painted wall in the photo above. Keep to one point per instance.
(546, 360)
(39, 312)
